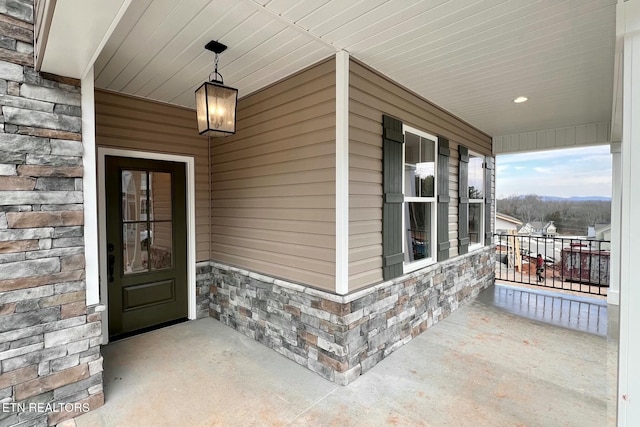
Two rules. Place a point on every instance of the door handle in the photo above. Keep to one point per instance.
(111, 262)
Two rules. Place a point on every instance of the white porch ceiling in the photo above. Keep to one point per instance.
(470, 57)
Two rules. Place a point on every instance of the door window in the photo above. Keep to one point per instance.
(147, 226)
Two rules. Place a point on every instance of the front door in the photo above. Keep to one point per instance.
(146, 243)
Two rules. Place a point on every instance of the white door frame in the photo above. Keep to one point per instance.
(102, 225)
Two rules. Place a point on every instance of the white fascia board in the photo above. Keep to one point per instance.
(583, 135)
(79, 30)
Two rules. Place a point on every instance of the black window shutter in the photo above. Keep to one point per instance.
(488, 194)
(443, 199)
(463, 200)
(392, 165)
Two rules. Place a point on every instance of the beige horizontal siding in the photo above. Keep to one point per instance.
(372, 95)
(375, 93)
(273, 182)
(135, 124)
(298, 237)
(318, 230)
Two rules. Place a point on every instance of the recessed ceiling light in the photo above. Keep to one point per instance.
(520, 99)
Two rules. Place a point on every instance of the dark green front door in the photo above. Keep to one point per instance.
(146, 243)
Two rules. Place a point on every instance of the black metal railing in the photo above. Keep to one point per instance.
(573, 264)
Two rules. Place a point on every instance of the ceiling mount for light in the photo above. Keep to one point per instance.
(215, 47)
(520, 99)
(215, 102)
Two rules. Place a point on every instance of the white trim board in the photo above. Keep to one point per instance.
(342, 172)
(629, 346)
(91, 232)
(102, 223)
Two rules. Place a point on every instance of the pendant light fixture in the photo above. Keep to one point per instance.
(215, 102)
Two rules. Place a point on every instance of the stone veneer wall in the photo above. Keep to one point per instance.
(204, 280)
(49, 339)
(342, 337)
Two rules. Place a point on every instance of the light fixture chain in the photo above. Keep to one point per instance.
(217, 77)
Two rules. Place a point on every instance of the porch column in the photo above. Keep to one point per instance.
(90, 188)
(628, 15)
(613, 293)
(342, 172)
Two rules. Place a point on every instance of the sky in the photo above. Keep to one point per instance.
(584, 171)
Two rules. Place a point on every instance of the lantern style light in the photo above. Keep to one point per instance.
(215, 102)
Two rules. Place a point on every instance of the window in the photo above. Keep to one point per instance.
(419, 186)
(476, 200)
(143, 209)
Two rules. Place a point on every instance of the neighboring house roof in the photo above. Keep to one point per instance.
(526, 229)
(508, 218)
(601, 228)
(542, 225)
(537, 226)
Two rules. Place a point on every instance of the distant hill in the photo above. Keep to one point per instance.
(571, 215)
(575, 199)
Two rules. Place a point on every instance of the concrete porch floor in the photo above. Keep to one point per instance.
(481, 366)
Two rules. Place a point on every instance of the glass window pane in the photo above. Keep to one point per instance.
(476, 177)
(425, 170)
(134, 247)
(160, 249)
(411, 181)
(134, 195)
(419, 166)
(159, 196)
(418, 233)
(475, 222)
(425, 178)
(411, 148)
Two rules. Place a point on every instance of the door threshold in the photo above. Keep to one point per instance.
(118, 337)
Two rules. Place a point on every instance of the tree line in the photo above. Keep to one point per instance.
(569, 216)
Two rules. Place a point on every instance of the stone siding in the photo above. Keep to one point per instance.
(204, 279)
(49, 338)
(341, 337)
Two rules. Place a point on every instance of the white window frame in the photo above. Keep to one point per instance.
(416, 265)
(481, 202)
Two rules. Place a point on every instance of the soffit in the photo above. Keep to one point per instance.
(472, 58)
(77, 31)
